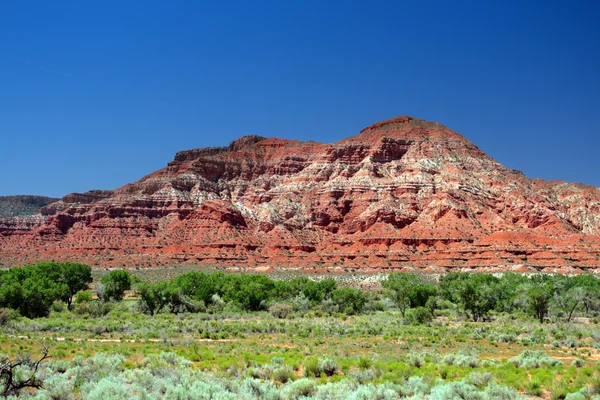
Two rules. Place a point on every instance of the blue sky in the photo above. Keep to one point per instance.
(94, 95)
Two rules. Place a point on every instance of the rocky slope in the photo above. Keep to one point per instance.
(13, 206)
(402, 194)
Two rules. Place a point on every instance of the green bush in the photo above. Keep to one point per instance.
(311, 367)
(83, 296)
(58, 306)
(420, 316)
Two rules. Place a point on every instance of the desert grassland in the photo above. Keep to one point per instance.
(375, 347)
(115, 349)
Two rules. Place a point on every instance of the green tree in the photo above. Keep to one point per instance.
(539, 296)
(399, 288)
(250, 292)
(153, 297)
(32, 289)
(477, 294)
(77, 277)
(115, 284)
(350, 301)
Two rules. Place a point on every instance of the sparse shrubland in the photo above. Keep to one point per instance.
(249, 336)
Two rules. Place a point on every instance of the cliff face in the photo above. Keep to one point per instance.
(404, 193)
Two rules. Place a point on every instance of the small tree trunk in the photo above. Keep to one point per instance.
(572, 311)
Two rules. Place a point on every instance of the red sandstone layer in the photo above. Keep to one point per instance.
(404, 193)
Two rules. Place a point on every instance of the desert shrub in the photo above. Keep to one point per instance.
(311, 367)
(455, 390)
(97, 367)
(255, 388)
(263, 373)
(449, 359)
(4, 316)
(571, 343)
(534, 387)
(364, 362)
(281, 310)
(362, 376)
(283, 373)
(328, 366)
(341, 390)
(301, 303)
(303, 387)
(576, 396)
(507, 338)
(558, 390)
(488, 363)
(330, 306)
(109, 388)
(480, 379)
(374, 305)
(533, 359)
(95, 309)
(465, 357)
(157, 363)
(57, 387)
(416, 359)
(216, 301)
(498, 392)
(578, 363)
(415, 386)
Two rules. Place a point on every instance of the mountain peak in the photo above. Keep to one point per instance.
(399, 120)
(405, 193)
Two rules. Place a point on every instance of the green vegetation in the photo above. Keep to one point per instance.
(32, 289)
(248, 336)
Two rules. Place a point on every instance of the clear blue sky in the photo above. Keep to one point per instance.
(96, 94)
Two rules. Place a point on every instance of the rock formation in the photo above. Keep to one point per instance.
(402, 194)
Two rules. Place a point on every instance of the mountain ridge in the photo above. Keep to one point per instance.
(21, 205)
(402, 194)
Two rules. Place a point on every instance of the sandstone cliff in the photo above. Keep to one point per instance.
(404, 193)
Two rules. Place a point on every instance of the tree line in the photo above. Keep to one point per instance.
(32, 290)
(476, 295)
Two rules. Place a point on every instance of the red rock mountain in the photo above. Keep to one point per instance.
(404, 193)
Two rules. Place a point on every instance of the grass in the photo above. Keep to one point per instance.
(370, 348)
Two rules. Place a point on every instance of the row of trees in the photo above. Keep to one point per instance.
(479, 294)
(34, 288)
(196, 290)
